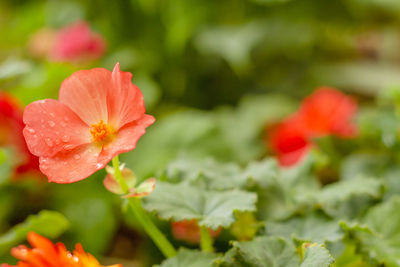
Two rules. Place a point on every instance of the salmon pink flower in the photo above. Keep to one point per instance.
(135, 189)
(99, 115)
(328, 111)
(45, 254)
(11, 136)
(76, 43)
(189, 231)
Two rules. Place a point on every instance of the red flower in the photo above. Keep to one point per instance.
(189, 231)
(326, 112)
(45, 254)
(289, 142)
(76, 42)
(11, 127)
(99, 115)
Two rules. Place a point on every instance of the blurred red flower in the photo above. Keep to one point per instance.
(45, 254)
(11, 136)
(99, 115)
(189, 231)
(288, 141)
(74, 43)
(326, 112)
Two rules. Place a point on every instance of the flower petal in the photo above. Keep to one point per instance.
(127, 138)
(85, 93)
(72, 166)
(328, 111)
(125, 100)
(52, 127)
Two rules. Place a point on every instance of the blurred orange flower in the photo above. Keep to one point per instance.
(11, 136)
(45, 254)
(99, 115)
(189, 231)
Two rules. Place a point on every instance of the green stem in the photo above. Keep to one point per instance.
(136, 206)
(151, 229)
(206, 240)
(118, 175)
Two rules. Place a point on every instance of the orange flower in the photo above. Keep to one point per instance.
(189, 231)
(45, 254)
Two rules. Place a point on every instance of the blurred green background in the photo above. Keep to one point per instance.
(213, 73)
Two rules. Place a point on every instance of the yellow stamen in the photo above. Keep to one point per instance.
(102, 133)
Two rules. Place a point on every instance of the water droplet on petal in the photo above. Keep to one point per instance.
(35, 136)
(63, 124)
(44, 167)
(51, 123)
(68, 147)
(48, 142)
(99, 165)
(66, 118)
(65, 138)
(76, 156)
(32, 131)
(57, 141)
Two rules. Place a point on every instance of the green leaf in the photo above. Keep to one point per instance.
(332, 196)
(47, 223)
(192, 258)
(211, 208)
(89, 209)
(215, 175)
(312, 228)
(189, 133)
(316, 256)
(379, 238)
(261, 252)
(6, 165)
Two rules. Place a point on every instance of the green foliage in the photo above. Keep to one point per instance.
(47, 223)
(210, 207)
(316, 256)
(262, 252)
(378, 238)
(193, 258)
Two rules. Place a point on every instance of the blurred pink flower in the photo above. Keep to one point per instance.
(76, 42)
(99, 115)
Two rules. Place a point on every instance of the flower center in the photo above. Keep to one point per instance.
(102, 133)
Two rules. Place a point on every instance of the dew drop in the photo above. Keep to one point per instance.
(51, 123)
(77, 157)
(63, 124)
(57, 141)
(68, 147)
(99, 165)
(48, 142)
(32, 131)
(66, 118)
(35, 136)
(65, 138)
(52, 114)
